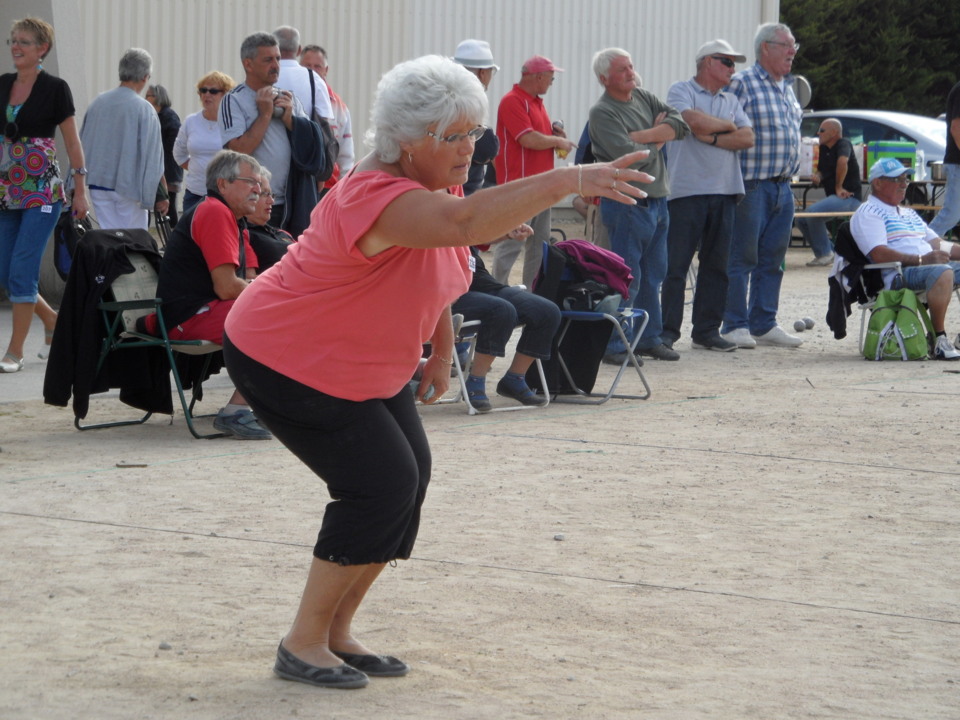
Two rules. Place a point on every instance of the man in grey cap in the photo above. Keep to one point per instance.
(475, 56)
(705, 185)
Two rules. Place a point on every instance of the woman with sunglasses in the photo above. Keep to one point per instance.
(199, 138)
(33, 104)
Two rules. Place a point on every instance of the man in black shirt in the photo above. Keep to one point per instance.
(838, 173)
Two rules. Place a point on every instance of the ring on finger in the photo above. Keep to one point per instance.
(613, 185)
(616, 173)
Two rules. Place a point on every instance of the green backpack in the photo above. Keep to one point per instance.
(899, 328)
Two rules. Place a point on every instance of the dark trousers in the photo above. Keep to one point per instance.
(373, 456)
(704, 223)
(500, 312)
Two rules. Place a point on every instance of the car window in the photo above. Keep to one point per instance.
(858, 130)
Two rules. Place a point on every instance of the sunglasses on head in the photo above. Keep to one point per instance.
(212, 91)
(724, 61)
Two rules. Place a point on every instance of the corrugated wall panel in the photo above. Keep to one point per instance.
(364, 38)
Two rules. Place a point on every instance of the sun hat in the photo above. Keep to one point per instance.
(475, 54)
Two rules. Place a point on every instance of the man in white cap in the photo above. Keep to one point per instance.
(885, 231)
(527, 143)
(705, 186)
(475, 56)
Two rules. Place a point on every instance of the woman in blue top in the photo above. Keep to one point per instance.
(33, 104)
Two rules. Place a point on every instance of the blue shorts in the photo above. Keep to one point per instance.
(923, 277)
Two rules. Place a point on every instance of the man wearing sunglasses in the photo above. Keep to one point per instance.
(764, 218)
(705, 185)
(838, 173)
(885, 231)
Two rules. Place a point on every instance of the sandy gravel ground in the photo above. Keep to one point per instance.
(774, 534)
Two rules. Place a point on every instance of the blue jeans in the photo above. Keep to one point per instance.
(701, 223)
(950, 212)
(815, 229)
(638, 234)
(23, 238)
(761, 234)
(499, 313)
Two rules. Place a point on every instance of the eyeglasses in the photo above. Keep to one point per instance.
(268, 194)
(252, 182)
(212, 91)
(473, 135)
(795, 46)
(22, 43)
(902, 180)
(724, 61)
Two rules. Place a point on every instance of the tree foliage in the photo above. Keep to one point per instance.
(879, 54)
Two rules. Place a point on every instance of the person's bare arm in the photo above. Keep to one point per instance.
(421, 218)
(226, 284)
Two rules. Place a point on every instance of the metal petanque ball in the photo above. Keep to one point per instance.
(799, 326)
(808, 321)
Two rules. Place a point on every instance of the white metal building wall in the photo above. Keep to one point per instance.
(364, 38)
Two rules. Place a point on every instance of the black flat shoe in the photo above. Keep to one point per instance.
(375, 665)
(344, 677)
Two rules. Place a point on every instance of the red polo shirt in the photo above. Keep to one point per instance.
(519, 113)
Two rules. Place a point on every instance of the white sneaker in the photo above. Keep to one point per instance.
(742, 338)
(821, 261)
(778, 337)
(943, 350)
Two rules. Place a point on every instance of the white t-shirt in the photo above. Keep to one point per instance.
(198, 141)
(876, 223)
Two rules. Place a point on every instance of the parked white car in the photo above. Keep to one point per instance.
(866, 126)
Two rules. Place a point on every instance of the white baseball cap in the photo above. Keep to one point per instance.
(719, 47)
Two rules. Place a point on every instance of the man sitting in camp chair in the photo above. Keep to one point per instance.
(887, 232)
(207, 264)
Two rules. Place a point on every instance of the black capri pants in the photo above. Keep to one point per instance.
(373, 456)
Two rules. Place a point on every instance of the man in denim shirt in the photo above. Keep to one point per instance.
(765, 216)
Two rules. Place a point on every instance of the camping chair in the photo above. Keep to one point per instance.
(865, 278)
(134, 296)
(570, 318)
(465, 333)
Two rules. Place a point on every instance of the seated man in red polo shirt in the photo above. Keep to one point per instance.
(208, 263)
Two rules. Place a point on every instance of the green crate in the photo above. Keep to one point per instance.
(905, 152)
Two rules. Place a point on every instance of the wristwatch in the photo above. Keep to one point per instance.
(78, 171)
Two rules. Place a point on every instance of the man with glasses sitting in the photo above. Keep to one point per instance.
(207, 264)
(885, 231)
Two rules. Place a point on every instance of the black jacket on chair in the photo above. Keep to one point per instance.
(142, 375)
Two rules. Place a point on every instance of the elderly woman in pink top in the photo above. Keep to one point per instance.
(324, 343)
